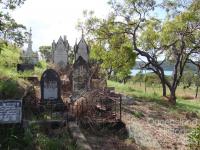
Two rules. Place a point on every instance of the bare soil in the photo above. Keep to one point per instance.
(169, 129)
(149, 125)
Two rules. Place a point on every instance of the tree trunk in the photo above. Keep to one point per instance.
(172, 98)
(197, 90)
(197, 83)
(164, 90)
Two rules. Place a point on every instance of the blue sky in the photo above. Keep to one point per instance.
(50, 19)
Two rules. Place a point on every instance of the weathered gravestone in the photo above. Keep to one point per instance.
(10, 111)
(24, 67)
(80, 76)
(50, 86)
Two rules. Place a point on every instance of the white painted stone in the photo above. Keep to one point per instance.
(50, 90)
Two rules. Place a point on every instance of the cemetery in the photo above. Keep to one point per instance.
(66, 96)
(124, 83)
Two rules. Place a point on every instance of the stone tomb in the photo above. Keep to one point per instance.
(50, 86)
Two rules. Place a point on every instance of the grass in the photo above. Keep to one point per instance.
(35, 137)
(155, 94)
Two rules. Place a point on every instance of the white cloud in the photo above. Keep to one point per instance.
(50, 19)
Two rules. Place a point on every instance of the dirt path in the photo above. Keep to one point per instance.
(138, 131)
(154, 126)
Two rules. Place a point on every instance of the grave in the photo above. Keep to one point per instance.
(81, 49)
(50, 86)
(24, 67)
(80, 76)
(10, 111)
(60, 52)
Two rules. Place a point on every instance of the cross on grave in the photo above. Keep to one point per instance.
(50, 86)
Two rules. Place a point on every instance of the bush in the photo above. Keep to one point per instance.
(41, 64)
(11, 88)
(11, 137)
(194, 139)
(9, 56)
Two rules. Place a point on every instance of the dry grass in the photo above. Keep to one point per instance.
(185, 97)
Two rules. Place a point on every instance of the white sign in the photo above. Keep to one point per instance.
(50, 90)
(10, 111)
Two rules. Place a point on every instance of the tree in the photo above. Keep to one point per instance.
(10, 30)
(152, 38)
(114, 51)
(46, 52)
(175, 39)
(197, 77)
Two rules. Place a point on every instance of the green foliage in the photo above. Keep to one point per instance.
(45, 51)
(151, 79)
(10, 4)
(8, 88)
(11, 137)
(10, 30)
(113, 50)
(138, 114)
(139, 77)
(194, 139)
(47, 143)
(188, 79)
(41, 64)
(33, 137)
(135, 91)
(9, 55)
(11, 88)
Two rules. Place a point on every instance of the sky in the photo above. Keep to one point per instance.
(50, 19)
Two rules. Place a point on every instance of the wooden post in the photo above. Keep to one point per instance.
(77, 113)
(115, 109)
(120, 107)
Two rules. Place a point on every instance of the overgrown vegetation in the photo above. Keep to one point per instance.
(13, 83)
(35, 137)
(194, 139)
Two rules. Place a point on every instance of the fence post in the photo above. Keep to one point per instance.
(120, 107)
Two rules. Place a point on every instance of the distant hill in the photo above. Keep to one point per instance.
(168, 66)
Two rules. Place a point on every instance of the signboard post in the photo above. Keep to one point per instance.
(10, 111)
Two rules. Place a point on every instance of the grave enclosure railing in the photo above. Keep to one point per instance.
(100, 108)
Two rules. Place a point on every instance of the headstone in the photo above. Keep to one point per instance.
(60, 52)
(10, 111)
(80, 76)
(24, 67)
(50, 86)
(81, 49)
(29, 56)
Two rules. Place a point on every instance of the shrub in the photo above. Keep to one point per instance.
(11, 88)
(194, 139)
(41, 64)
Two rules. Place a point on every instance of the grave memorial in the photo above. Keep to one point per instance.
(80, 76)
(24, 67)
(50, 86)
(10, 111)
(60, 52)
